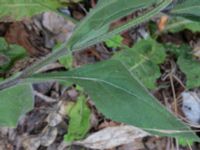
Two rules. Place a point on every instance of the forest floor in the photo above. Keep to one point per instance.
(45, 127)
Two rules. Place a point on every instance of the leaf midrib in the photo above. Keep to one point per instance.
(105, 82)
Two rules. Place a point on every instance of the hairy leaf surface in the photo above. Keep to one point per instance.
(120, 96)
(143, 60)
(14, 102)
(190, 67)
(177, 24)
(18, 9)
(98, 20)
(188, 8)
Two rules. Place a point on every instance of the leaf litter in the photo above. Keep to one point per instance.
(45, 126)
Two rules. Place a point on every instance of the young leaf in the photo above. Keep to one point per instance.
(11, 53)
(190, 67)
(95, 26)
(114, 42)
(187, 64)
(66, 60)
(184, 142)
(79, 122)
(18, 9)
(187, 8)
(143, 60)
(121, 97)
(177, 50)
(15, 101)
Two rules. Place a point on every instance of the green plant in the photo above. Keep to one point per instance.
(185, 142)
(11, 53)
(114, 42)
(143, 59)
(79, 122)
(114, 88)
(187, 63)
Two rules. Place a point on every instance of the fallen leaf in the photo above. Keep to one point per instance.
(112, 137)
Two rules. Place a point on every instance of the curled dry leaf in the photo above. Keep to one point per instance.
(20, 35)
(31, 143)
(49, 136)
(162, 23)
(112, 137)
(54, 119)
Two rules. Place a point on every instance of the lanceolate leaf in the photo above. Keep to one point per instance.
(188, 8)
(143, 60)
(95, 26)
(18, 9)
(120, 96)
(15, 102)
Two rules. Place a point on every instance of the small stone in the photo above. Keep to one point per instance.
(191, 106)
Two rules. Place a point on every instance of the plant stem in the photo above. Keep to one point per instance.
(48, 59)
(9, 83)
(32, 69)
(145, 17)
(62, 49)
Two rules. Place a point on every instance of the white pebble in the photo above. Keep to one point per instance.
(191, 106)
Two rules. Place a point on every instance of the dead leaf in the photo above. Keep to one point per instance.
(19, 34)
(162, 23)
(48, 136)
(112, 137)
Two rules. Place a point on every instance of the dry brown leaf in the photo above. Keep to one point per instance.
(162, 23)
(112, 137)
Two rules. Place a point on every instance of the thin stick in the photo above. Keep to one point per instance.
(44, 97)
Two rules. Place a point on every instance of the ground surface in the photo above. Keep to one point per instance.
(44, 127)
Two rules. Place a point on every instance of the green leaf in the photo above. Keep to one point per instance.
(114, 42)
(121, 97)
(177, 50)
(15, 102)
(95, 27)
(187, 8)
(18, 9)
(177, 24)
(3, 44)
(187, 64)
(70, 1)
(12, 53)
(66, 61)
(79, 122)
(190, 68)
(143, 60)
(184, 142)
